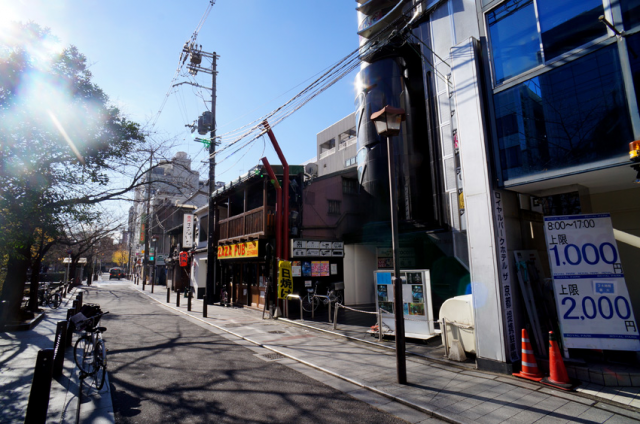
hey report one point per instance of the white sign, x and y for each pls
(299, 252)
(82, 260)
(313, 245)
(299, 244)
(337, 253)
(325, 253)
(505, 278)
(591, 295)
(187, 230)
(66, 261)
(337, 245)
(325, 245)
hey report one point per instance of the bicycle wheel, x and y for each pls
(83, 354)
(307, 303)
(55, 300)
(100, 356)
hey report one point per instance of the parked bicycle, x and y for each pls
(335, 294)
(90, 352)
(49, 297)
(309, 301)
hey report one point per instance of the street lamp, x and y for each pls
(387, 122)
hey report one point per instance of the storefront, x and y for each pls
(244, 274)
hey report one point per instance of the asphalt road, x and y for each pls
(164, 368)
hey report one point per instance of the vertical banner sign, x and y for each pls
(591, 294)
(187, 231)
(285, 280)
(505, 278)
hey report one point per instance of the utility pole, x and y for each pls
(195, 56)
(147, 226)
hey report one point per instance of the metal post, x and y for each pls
(59, 344)
(335, 317)
(178, 298)
(401, 364)
(204, 304)
(69, 339)
(189, 299)
(40, 388)
(380, 335)
(168, 294)
(145, 260)
(212, 253)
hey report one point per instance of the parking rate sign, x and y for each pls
(591, 295)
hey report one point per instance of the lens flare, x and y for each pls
(66, 137)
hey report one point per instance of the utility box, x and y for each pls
(460, 323)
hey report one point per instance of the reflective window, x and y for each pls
(515, 46)
(525, 33)
(567, 117)
(567, 24)
(633, 46)
(630, 13)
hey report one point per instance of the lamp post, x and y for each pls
(387, 122)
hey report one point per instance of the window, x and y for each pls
(349, 186)
(334, 207)
(569, 116)
(204, 228)
(633, 45)
(515, 46)
(567, 24)
(349, 162)
(516, 42)
(630, 13)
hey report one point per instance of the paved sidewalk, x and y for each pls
(18, 353)
(435, 389)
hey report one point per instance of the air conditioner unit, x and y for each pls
(311, 169)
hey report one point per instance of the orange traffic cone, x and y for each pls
(529, 365)
(558, 373)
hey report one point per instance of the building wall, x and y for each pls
(335, 159)
(359, 264)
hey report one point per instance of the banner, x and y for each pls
(240, 250)
(285, 281)
(187, 231)
(591, 294)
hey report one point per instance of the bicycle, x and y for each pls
(334, 295)
(309, 301)
(51, 298)
(90, 352)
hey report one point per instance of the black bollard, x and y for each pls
(40, 388)
(75, 307)
(204, 305)
(79, 297)
(69, 339)
(189, 301)
(59, 345)
(152, 285)
(168, 294)
(178, 298)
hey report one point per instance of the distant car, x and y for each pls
(116, 273)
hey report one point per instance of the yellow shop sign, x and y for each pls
(248, 249)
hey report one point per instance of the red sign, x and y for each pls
(184, 258)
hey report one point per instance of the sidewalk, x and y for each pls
(18, 353)
(437, 389)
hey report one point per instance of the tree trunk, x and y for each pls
(13, 287)
(35, 284)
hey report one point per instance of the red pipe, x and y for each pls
(285, 189)
(278, 214)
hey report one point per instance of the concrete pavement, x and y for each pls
(436, 389)
(18, 353)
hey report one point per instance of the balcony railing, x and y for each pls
(256, 222)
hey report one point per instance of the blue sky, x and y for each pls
(269, 50)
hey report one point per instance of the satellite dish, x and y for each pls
(311, 169)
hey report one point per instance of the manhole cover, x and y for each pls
(270, 356)
(275, 332)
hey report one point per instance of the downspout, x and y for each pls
(272, 175)
(285, 189)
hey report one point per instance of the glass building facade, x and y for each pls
(561, 99)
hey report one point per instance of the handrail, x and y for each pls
(293, 296)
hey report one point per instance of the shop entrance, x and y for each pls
(240, 287)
